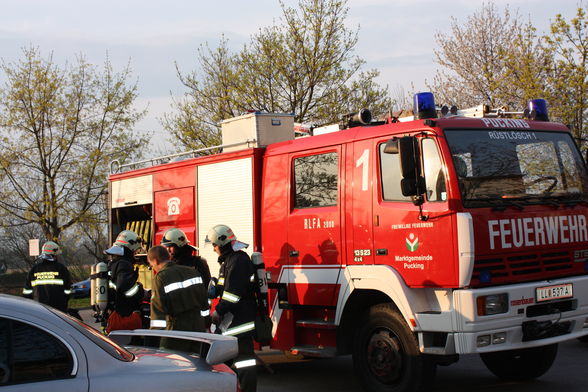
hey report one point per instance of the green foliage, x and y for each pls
(568, 83)
(78, 303)
(303, 64)
(61, 126)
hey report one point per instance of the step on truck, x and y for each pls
(406, 242)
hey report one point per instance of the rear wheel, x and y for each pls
(522, 364)
(386, 355)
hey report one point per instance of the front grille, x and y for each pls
(523, 267)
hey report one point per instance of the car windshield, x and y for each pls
(501, 167)
(95, 336)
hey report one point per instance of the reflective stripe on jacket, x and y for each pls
(237, 292)
(179, 300)
(49, 282)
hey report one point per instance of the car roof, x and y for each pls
(14, 304)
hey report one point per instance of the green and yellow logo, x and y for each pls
(412, 242)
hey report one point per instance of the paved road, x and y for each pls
(568, 374)
(290, 374)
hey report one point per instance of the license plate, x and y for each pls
(554, 292)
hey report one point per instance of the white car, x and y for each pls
(42, 349)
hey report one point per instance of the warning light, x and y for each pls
(424, 105)
(538, 110)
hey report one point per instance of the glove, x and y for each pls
(212, 293)
(216, 318)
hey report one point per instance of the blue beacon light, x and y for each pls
(538, 110)
(424, 105)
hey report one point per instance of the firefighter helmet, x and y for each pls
(175, 237)
(126, 239)
(221, 235)
(50, 250)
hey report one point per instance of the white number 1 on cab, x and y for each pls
(364, 161)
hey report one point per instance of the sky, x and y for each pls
(395, 36)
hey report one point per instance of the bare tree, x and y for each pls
(472, 57)
(61, 127)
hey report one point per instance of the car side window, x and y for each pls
(29, 354)
(4, 339)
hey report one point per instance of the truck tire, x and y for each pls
(386, 354)
(522, 364)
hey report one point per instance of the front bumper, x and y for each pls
(527, 323)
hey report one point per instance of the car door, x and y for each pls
(33, 359)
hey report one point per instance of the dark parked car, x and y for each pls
(42, 349)
(81, 289)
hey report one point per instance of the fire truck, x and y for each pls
(407, 242)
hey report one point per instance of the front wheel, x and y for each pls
(386, 355)
(522, 364)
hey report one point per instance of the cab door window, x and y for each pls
(433, 171)
(315, 180)
(391, 175)
(29, 354)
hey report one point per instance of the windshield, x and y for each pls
(531, 166)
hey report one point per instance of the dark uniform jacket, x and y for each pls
(49, 282)
(197, 262)
(236, 289)
(127, 292)
(178, 301)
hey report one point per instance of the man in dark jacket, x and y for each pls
(125, 292)
(182, 253)
(49, 281)
(179, 301)
(235, 312)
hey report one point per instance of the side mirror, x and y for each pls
(412, 183)
(391, 146)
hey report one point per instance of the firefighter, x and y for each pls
(125, 292)
(178, 301)
(181, 252)
(235, 312)
(49, 281)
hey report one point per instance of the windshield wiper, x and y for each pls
(499, 204)
(555, 200)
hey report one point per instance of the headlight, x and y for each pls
(492, 304)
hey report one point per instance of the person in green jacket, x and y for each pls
(179, 299)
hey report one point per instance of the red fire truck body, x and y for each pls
(489, 257)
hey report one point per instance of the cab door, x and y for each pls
(314, 227)
(418, 243)
(359, 230)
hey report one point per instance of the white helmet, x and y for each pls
(126, 239)
(175, 237)
(50, 250)
(221, 235)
